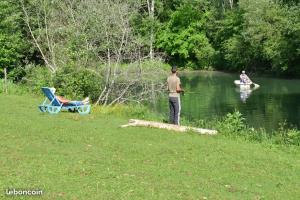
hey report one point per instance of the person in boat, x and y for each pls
(174, 88)
(244, 78)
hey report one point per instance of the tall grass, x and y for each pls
(13, 88)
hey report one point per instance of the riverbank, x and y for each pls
(212, 95)
(70, 156)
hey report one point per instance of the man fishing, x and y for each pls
(174, 88)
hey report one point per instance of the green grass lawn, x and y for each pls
(70, 156)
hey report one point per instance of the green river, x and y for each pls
(213, 94)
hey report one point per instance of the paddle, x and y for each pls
(255, 85)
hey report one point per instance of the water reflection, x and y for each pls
(245, 92)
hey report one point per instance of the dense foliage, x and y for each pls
(98, 37)
(12, 43)
(256, 35)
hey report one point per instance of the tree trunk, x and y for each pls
(5, 81)
(223, 5)
(152, 92)
(231, 4)
(27, 22)
(151, 6)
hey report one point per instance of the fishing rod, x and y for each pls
(192, 93)
(189, 92)
(183, 93)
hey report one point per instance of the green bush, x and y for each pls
(70, 82)
(259, 135)
(287, 136)
(77, 83)
(37, 77)
(13, 88)
(211, 124)
(232, 124)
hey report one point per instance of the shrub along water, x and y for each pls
(119, 83)
(232, 125)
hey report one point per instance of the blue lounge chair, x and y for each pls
(55, 106)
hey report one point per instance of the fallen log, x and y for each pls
(137, 122)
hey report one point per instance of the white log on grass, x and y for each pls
(143, 123)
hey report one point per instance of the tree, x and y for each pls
(76, 36)
(258, 35)
(12, 43)
(273, 31)
(184, 38)
(151, 7)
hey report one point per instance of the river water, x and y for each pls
(213, 94)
